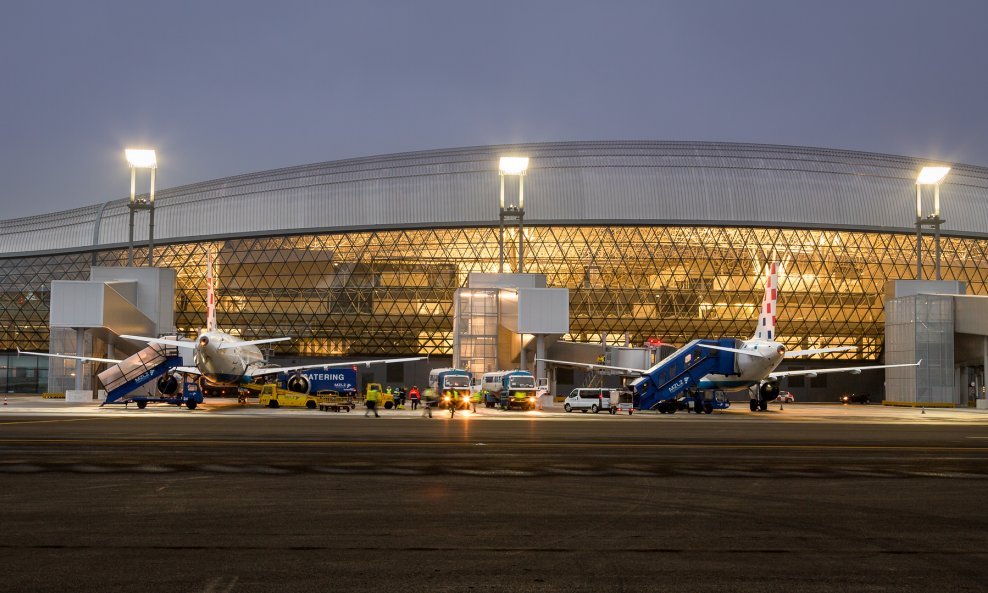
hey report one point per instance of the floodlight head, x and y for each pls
(932, 175)
(513, 165)
(141, 158)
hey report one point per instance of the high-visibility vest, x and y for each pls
(373, 395)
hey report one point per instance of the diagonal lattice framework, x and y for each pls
(390, 292)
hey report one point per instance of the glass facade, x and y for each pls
(390, 292)
(23, 374)
(921, 327)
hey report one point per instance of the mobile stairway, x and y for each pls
(661, 386)
(151, 363)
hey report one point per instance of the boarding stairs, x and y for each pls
(682, 370)
(593, 378)
(122, 378)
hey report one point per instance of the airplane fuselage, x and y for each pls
(752, 369)
(225, 366)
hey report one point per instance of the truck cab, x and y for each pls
(452, 383)
(509, 389)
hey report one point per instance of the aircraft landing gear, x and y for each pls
(753, 404)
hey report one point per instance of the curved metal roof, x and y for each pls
(620, 182)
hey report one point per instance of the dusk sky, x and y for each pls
(222, 88)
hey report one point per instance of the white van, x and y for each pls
(593, 399)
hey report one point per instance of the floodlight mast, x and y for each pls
(141, 159)
(929, 176)
(513, 165)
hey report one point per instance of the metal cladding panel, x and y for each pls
(543, 310)
(76, 303)
(568, 183)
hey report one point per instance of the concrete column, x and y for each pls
(540, 354)
(80, 344)
(522, 356)
(984, 369)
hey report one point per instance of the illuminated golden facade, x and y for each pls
(390, 292)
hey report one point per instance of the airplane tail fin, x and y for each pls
(765, 329)
(210, 293)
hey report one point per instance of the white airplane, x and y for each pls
(221, 359)
(757, 358)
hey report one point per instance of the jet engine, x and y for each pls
(298, 383)
(168, 384)
(767, 392)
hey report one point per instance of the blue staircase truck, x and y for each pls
(677, 377)
(154, 362)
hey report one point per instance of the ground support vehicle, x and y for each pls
(385, 400)
(588, 399)
(454, 383)
(509, 390)
(154, 363)
(332, 401)
(622, 401)
(273, 396)
(703, 401)
(316, 380)
(662, 386)
(187, 394)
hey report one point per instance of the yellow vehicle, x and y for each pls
(385, 401)
(335, 401)
(274, 397)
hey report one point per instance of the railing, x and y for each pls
(132, 367)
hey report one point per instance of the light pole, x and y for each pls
(141, 159)
(513, 165)
(929, 176)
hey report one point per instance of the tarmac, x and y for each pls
(242, 498)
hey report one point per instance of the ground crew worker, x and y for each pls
(415, 396)
(373, 396)
(428, 401)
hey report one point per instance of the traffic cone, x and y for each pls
(5, 400)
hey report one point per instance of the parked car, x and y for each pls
(786, 397)
(855, 398)
(596, 399)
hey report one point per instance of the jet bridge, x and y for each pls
(659, 386)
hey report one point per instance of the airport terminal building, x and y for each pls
(662, 240)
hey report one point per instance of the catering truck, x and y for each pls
(341, 380)
(452, 382)
(508, 389)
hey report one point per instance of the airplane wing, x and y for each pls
(89, 358)
(853, 370)
(325, 365)
(795, 353)
(734, 350)
(228, 345)
(162, 341)
(587, 365)
(187, 370)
